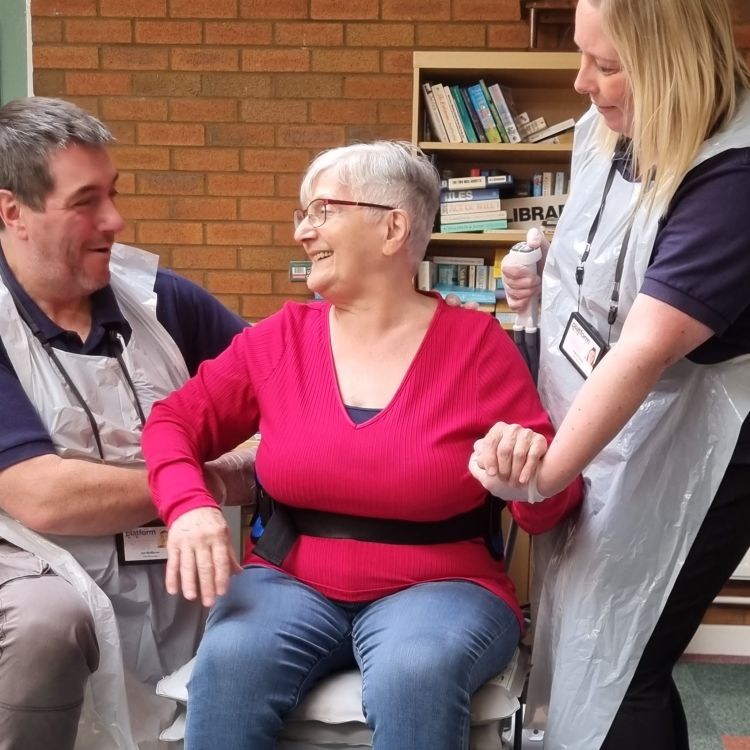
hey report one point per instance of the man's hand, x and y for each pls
(201, 558)
(505, 461)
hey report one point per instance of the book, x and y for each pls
(495, 114)
(551, 130)
(436, 124)
(464, 115)
(467, 294)
(485, 116)
(426, 275)
(533, 126)
(546, 183)
(456, 260)
(454, 108)
(505, 113)
(457, 183)
(453, 219)
(525, 213)
(446, 113)
(493, 225)
(478, 129)
(469, 194)
(536, 185)
(559, 186)
(470, 206)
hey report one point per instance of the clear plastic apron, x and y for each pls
(138, 625)
(603, 580)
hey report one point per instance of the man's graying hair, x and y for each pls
(30, 130)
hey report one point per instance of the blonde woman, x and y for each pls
(651, 256)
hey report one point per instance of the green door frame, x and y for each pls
(15, 73)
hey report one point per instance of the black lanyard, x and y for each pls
(614, 300)
(115, 345)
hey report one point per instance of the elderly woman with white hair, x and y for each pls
(376, 545)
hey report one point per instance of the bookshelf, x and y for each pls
(541, 84)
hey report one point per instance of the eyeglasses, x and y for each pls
(317, 210)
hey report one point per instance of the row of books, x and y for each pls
(478, 210)
(479, 113)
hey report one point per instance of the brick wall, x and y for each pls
(218, 106)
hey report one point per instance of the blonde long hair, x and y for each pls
(684, 73)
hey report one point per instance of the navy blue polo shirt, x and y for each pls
(700, 263)
(200, 326)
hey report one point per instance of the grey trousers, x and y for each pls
(48, 649)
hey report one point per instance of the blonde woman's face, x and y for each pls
(600, 75)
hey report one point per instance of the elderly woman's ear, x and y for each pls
(398, 229)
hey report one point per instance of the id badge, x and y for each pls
(582, 345)
(142, 546)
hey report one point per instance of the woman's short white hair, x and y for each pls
(392, 173)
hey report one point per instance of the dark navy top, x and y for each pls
(700, 263)
(200, 326)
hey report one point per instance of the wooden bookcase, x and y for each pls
(542, 85)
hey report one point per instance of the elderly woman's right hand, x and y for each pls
(201, 557)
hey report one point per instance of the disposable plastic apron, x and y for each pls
(138, 624)
(604, 579)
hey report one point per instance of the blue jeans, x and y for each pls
(423, 652)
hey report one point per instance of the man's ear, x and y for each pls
(10, 212)
(398, 230)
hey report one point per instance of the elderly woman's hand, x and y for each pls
(201, 558)
(506, 460)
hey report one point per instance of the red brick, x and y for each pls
(240, 135)
(171, 134)
(269, 258)
(140, 157)
(167, 84)
(168, 32)
(133, 108)
(98, 31)
(332, 10)
(46, 30)
(171, 183)
(239, 85)
(398, 62)
(740, 11)
(377, 132)
(204, 257)
(238, 233)
(346, 61)
(308, 86)
(416, 10)
(208, 159)
(203, 209)
(127, 235)
(233, 282)
(203, 8)
(273, 8)
(486, 10)
(240, 184)
(310, 136)
(63, 8)
(231, 302)
(379, 35)
(133, 8)
(267, 209)
(273, 110)
(378, 87)
(287, 185)
(283, 235)
(139, 207)
(742, 35)
(135, 58)
(96, 83)
(343, 111)
(204, 58)
(126, 183)
(257, 307)
(170, 232)
(123, 132)
(280, 284)
(451, 35)
(394, 113)
(238, 32)
(64, 56)
(313, 34)
(49, 83)
(88, 103)
(508, 36)
(202, 110)
(275, 160)
(276, 59)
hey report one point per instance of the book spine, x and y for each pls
(426, 276)
(464, 115)
(436, 122)
(495, 114)
(445, 113)
(505, 114)
(456, 115)
(457, 183)
(485, 116)
(546, 183)
(559, 188)
(478, 129)
(476, 226)
(558, 127)
(455, 260)
(534, 126)
(473, 216)
(472, 206)
(481, 194)
(536, 185)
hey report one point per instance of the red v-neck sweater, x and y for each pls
(408, 462)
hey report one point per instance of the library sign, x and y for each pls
(525, 213)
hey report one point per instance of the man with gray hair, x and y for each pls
(91, 334)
